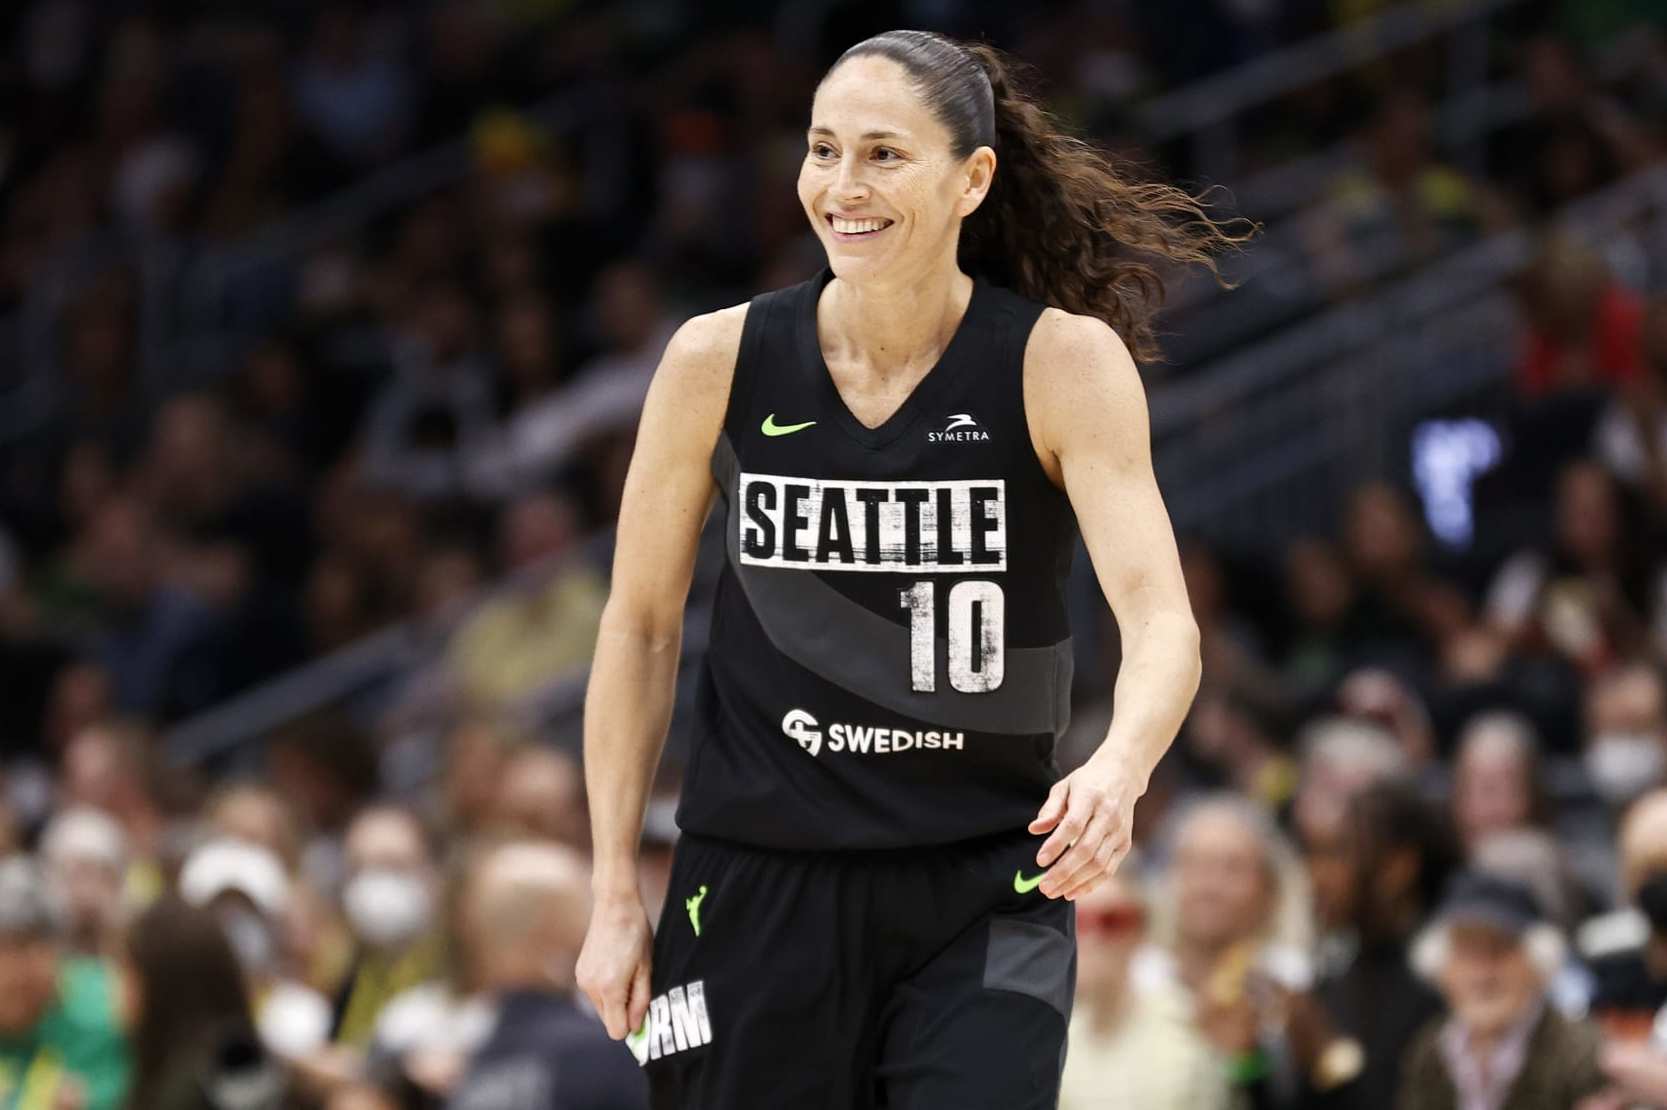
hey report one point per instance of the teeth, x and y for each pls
(853, 227)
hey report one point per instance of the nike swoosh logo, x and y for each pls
(1022, 885)
(771, 428)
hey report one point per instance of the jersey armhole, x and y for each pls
(1021, 328)
(742, 384)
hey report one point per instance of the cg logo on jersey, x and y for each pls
(802, 727)
(843, 736)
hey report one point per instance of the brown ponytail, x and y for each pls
(1060, 225)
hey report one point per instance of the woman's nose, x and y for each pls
(849, 183)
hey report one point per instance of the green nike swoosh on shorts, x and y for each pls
(771, 428)
(1022, 885)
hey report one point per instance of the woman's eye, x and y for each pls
(885, 154)
(821, 150)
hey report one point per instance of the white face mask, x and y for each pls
(386, 907)
(250, 939)
(1623, 765)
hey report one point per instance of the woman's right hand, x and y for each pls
(614, 963)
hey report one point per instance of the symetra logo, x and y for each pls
(677, 1020)
(805, 730)
(801, 728)
(962, 428)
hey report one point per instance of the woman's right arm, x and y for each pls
(668, 491)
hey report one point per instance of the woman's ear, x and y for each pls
(980, 170)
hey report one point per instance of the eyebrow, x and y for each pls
(866, 134)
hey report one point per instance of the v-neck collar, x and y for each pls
(905, 415)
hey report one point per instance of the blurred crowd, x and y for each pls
(1410, 849)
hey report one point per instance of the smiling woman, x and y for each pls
(1059, 223)
(875, 829)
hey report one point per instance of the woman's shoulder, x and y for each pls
(708, 340)
(1065, 341)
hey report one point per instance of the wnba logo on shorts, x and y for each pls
(802, 727)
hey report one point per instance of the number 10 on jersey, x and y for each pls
(976, 626)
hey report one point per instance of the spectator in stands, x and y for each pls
(1576, 138)
(1232, 744)
(244, 886)
(160, 643)
(1590, 594)
(255, 814)
(84, 865)
(1396, 859)
(316, 944)
(194, 1044)
(1320, 595)
(475, 752)
(391, 900)
(1583, 325)
(111, 768)
(81, 698)
(1132, 1041)
(1534, 860)
(426, 1034)
(1637, 1075)
(1232, 653)
(1341, 759)
(351, 90)
(232, 521)
(438, 409)
(1631, 436)
(526, 911)
(1378, 694)
(1496, 778)
(61, 1040)
(1400, 207)
(1238, 946)
(1492, 954)
(604, 397)
(541, 795)
(526, 349)
(545, 623)
(1399, 608)
(1628, 951)
(1626, 732)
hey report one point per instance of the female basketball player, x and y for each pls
(871, 901)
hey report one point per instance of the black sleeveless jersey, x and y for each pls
(890, 662)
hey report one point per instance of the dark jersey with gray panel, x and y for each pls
(890, 662)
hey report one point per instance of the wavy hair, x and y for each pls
(1060, 224)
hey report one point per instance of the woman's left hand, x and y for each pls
(1091, 814)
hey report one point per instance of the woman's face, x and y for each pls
(879, 182)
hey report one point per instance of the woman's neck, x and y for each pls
(896, 326)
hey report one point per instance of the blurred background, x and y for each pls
(324, 328)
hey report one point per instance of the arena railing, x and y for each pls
(194, 300)
(1206, 114)
(1277, 281)
(188, 296)
(1260, 445)
(393, 682)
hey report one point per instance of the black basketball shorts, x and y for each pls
(908, 979)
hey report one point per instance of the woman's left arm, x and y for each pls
(1087, 413)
